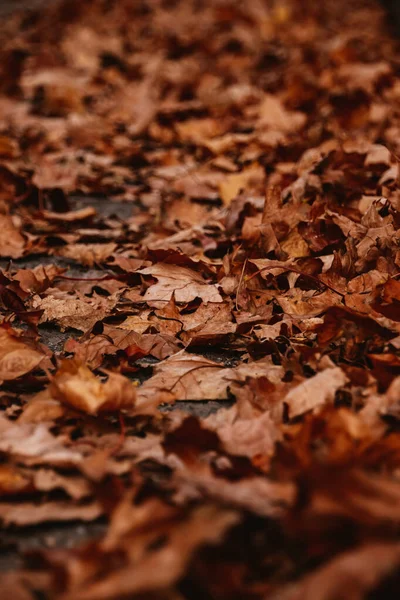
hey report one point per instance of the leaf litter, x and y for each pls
(202, 202)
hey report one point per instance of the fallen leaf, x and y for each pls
(16, 357)
(12, 242)
(69, 311)
(358, 570)
(75, 385)
(273, 114)
(316, 391)
(230, 187)
(185, 284)
(88, 254)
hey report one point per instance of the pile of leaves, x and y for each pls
(200, 299)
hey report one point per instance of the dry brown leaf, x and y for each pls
(230, 169)
(295, 246)
(252, 437)
(23, 514)
(77, 311)
(70, 216)
(273, 114)
(88, 254)
(316, 391)
(75, 385)
(186, 376)
(93, 350)
(233, 184)
(12, 243)
(357, 571)
(13, 481)
(16, 357)
(38, 279)
(160, 569)
(184, 283)
(34, 444)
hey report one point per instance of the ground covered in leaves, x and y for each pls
(200, 300)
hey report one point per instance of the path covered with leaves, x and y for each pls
(200, 300)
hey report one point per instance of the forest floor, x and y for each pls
(200, 301)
